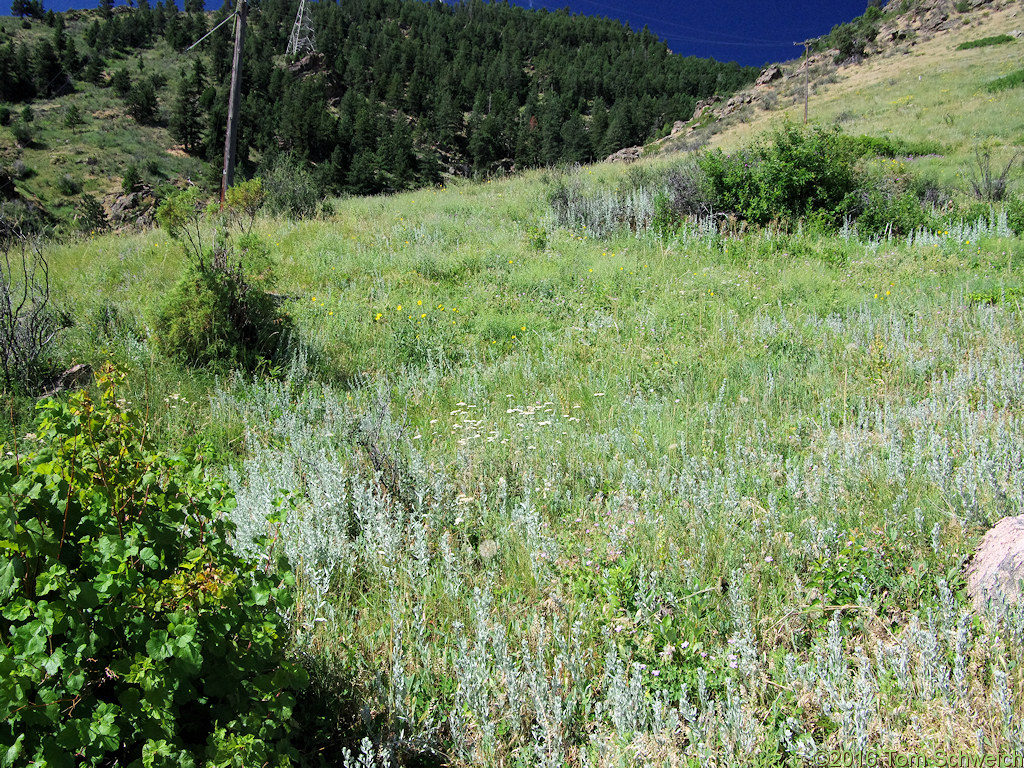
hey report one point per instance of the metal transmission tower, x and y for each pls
(303, 39)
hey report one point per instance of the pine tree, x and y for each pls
(186, 123)
(620, 128)
(575, 144)
(397, 155)
(141, 102)
(49, 72)
(597, 129)
(73, 118)
(362, 176)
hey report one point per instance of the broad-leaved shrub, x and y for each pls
(130, 632)
(792, 173)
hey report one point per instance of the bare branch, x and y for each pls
(28, 321)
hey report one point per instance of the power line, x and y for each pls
(222, 23)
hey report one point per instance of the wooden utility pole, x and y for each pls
(807, 81)
(231, 140)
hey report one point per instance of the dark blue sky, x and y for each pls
(748, 31)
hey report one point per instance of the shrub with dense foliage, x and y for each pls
(984, 42)
(220, 312)
(130, 633)
(791, 174)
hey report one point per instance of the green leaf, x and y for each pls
(8, 579)
(158, 646)
(103, 730)
(13, 752)
(149, 558)
(55, 661)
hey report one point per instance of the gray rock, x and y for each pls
(994, 576)
(768, 75)
(627, 155)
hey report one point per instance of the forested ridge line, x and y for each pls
(399, 92)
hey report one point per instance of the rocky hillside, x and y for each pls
(901, 30)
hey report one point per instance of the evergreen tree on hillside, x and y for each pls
(31, 8)
(400, 88)
(598, 128)
(186, 122)
(141, 102)
(50, 76)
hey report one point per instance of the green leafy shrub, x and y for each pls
(220, 312)
(121, 82)
(890, 146)
(131, 179)
(90, 214)
(21, 171)
(23, 133)
(131, 632)
(984, 42)
(68, 185)
(997, 295)
(794, 172)
(1015, 215)
(890, 199)
(899, 214)
(851, 39)
(215, 316)
(290, 189)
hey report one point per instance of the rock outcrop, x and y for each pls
(136, 209)
(994, 576)
(627, 155)
(896, 34)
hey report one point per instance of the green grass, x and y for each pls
(986, 41)
(1012, 80)
(713, 410)
(534, 482)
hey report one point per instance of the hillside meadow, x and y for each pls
(653, 497)
(561, 477)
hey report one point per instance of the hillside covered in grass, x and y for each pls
(675, 464)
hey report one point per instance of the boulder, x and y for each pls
(627, 155)
(704, 104)
(994, 576)
(769, 75)
(309, 64)
(75, 377)
(136, 208)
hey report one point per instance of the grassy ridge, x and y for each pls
(922, 93)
